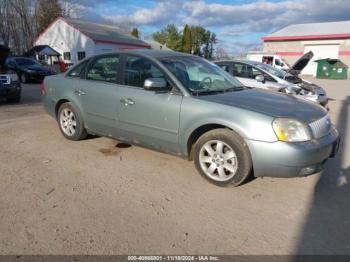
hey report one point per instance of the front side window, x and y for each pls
(138, 69)
(199, 75)
(104, 69)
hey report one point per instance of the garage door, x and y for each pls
(320, 51)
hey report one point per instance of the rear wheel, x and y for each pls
(71, 123)
(222, 157)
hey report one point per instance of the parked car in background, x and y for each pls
(270, 59)
(28, 69)
(186, 106)
(10, 87)
(259, 75)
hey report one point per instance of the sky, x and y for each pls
(238, 24)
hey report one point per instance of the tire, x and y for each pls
(16, 99)
(228, 165)
(70, 122)
(23, 77)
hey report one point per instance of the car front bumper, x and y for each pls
(10, 90)
(282, 159)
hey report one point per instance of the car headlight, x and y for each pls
(14, 77)
(291, 130)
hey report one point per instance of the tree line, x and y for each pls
(194, 40)
(22, 20)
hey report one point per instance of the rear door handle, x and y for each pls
(80, 92)
(127, 101)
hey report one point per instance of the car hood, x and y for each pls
(269, 103)
(301, 63)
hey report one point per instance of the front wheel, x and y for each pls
(70, 122)
(222, 157)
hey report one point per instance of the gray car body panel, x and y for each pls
(166, 121)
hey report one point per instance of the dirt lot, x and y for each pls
(91, 197)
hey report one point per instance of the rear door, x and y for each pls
(98, 94)
(148, 117)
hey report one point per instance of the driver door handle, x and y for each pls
(127, 101)
(80, 92)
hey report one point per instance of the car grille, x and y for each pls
(321, 127)
(4, 79)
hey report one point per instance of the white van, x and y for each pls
(267, 58)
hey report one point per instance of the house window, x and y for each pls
(66, 55)
(81, 55)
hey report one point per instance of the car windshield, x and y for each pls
(272, 70)
(200, 76)
(26, 62)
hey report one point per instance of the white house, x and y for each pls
(76, 39)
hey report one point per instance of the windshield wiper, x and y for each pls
(207, 92)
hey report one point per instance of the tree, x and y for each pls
(21, 25)
(186, 40)
(46, 12)
(221, 53)
(135, 32)
(169, 36)
(161, 36)
(213, 41)
(197, 39)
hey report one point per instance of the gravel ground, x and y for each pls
(99, 197)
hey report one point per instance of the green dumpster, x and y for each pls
(331, 69)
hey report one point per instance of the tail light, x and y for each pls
(43, 88)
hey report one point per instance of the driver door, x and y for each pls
(147, 117)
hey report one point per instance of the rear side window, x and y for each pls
(77, 70)
(138, 69)
(104, 69)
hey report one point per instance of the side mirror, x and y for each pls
(260, 78)
(156, 84)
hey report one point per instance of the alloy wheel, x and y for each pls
(68, 122)
(218, 160)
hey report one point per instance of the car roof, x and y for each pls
(249, 62)
(155, 53)
(151, 53)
